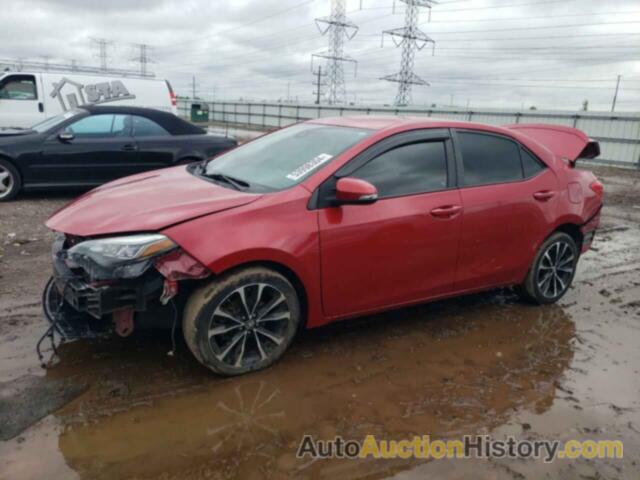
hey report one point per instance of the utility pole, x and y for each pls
(193, 87)
(102, 44)
(339, 28)
(411, 38)
(318, 84)
(142, 57)
(615, 95)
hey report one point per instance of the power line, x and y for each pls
(244, 25)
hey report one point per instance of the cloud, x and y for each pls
(548, 53)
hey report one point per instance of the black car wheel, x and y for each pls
(10, 181)
(243, 321)
(552, 271)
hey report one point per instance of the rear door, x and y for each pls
(20, 102)
(509, 198)
(402, 248)
(101, 150)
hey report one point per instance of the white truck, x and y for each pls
(27, 98)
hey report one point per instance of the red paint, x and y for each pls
(354, 190)
(353, 259)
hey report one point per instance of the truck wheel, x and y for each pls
(552, 271)
(10, 181)
(243, 321)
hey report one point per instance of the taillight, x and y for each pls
(174, 99)
(598, 188)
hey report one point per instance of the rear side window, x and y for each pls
(489, 159)
(408, 169)
(143, 127)
(530, 164)
(18, 87)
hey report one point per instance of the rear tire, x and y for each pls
(10, 181)
(552, 270)
(243, 321)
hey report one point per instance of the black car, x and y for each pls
(91, 145)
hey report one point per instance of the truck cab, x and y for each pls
(21, 100)
(27, 98)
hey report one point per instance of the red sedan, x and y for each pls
(321, 221)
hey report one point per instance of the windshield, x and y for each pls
(286, 157)
(52, 122)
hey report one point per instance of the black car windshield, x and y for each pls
(286, 157)
(53, 122)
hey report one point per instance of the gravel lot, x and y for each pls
(123, 408)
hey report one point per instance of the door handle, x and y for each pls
(129, 148)
(543, 195)
(447, 211)
(40, 107)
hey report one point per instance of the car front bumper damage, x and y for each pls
(82, 306)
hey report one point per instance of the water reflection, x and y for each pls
(444, 369)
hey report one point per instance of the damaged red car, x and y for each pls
(322, 221)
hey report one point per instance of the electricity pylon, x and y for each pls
(411, 38)
(339, 28)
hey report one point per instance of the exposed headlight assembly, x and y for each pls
(119, 257)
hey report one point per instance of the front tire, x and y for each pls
(10, 181)
(552, 271)
(243, 321)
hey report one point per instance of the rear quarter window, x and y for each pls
(530, 164)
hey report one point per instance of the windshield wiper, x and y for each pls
(234, 182)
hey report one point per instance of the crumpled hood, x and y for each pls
(145, 202)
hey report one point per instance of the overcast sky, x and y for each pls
(489, 53)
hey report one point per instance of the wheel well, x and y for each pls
(573, 231)
(10, 161)
(14, 164)
(285, 272)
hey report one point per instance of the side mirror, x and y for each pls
(66, 137)
(353, 191)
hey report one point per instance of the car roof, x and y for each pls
(396, 123)
(170, 122)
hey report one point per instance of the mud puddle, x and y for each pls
(447, 369)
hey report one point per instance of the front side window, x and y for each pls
(143, 127)
(408, 169)
(286, 157)
(100, 126)
(489, 159)
(18, 87)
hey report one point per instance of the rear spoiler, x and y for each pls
(569, 143)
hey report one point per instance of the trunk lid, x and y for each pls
(569, 143)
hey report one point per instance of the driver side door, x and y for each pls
(404, 247)
(100, 149)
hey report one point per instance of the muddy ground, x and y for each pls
(124, 408)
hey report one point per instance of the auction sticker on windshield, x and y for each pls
(309, 166)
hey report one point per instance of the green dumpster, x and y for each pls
(199, 112)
